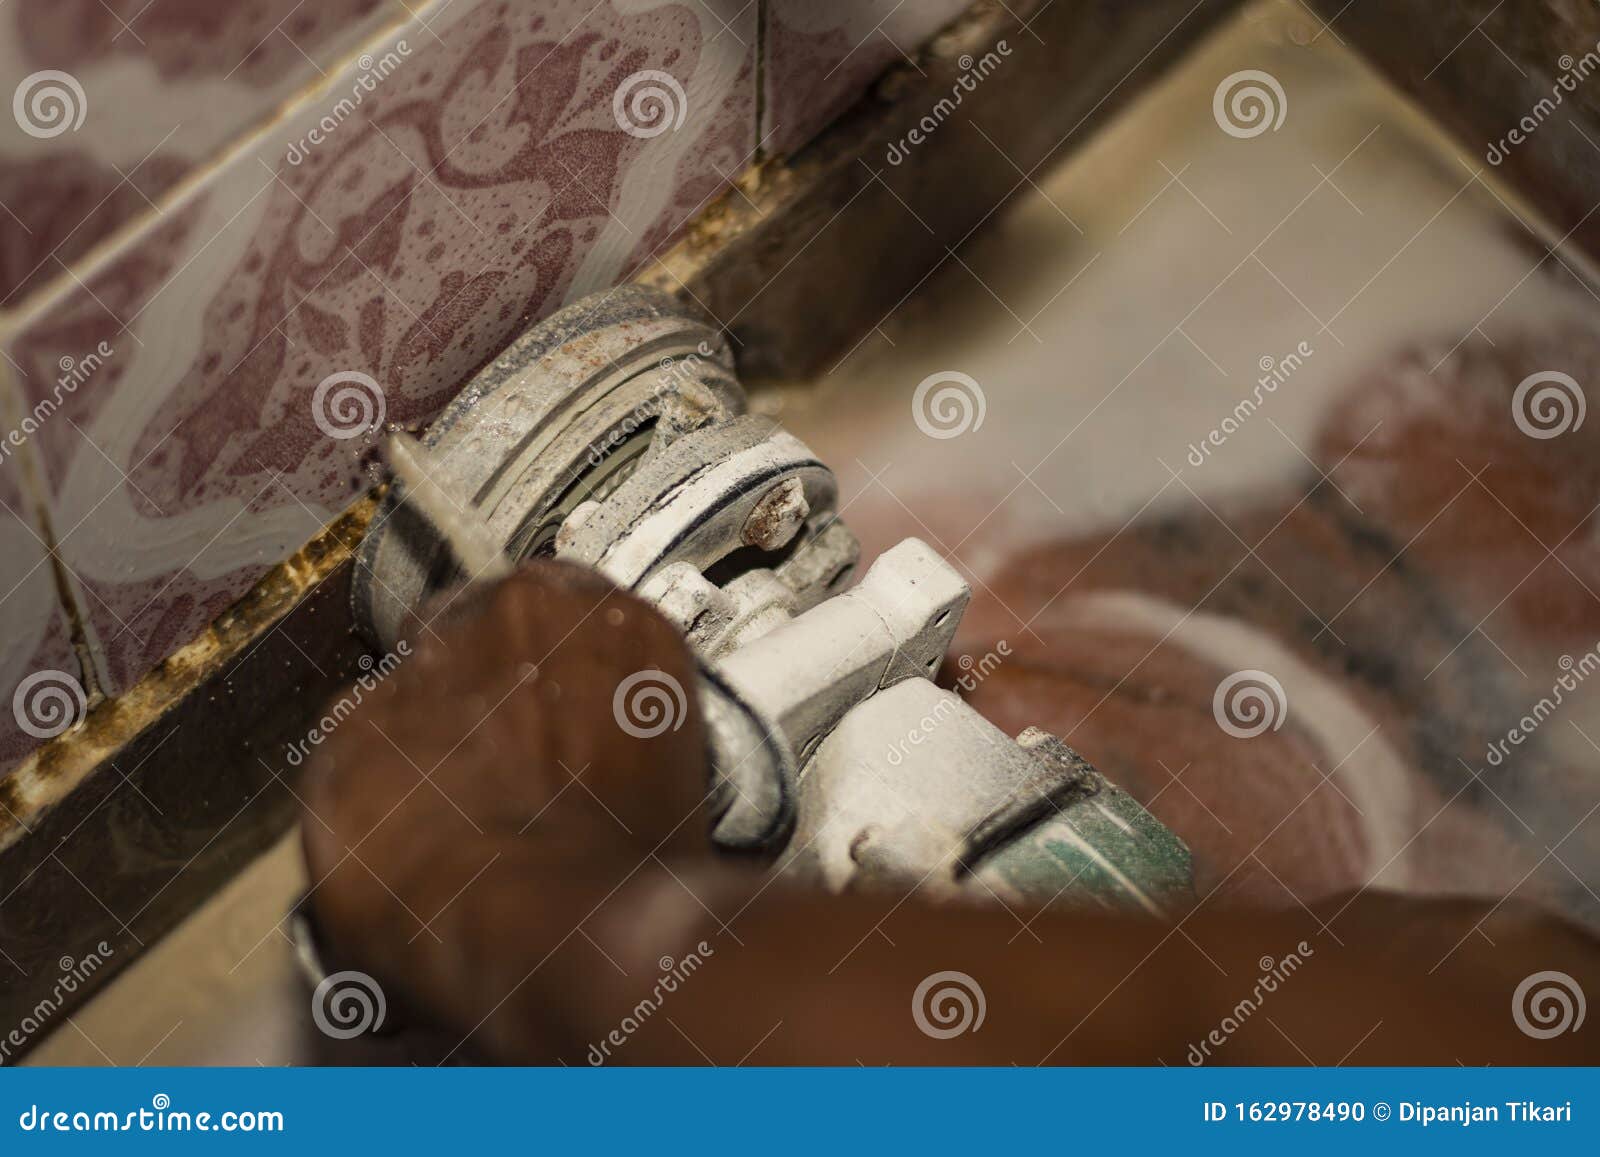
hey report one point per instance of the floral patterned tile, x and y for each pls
(822, 54)
(351, 265)
(112, 101)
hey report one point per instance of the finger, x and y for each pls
(501, 725)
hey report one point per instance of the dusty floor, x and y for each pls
(1376, 533)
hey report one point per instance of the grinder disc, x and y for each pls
(561, 417)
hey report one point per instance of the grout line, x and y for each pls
(216, 649)
(31, 484)
(761, 80)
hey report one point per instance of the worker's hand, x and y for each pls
(537, 747)
(514, 856)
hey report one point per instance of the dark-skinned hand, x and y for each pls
(522, 872)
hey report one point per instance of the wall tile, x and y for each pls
(821, 55)
(375, 246)
(162, 86)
